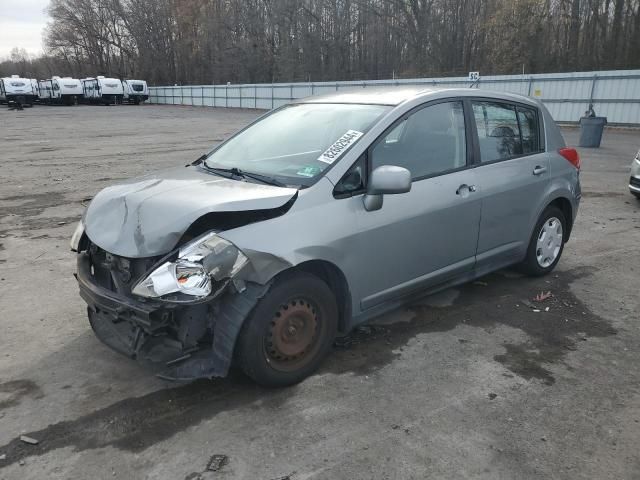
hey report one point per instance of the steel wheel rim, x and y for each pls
(293, 335)
(549, 242)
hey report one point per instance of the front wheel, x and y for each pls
(289, 332)
(547, 242)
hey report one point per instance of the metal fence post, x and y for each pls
(593, 89)
(255, 96)
(226, 96)
(290, 92)
(272, 96)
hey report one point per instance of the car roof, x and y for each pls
(395, 95)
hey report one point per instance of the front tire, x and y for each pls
(289, 332)
(547, 242)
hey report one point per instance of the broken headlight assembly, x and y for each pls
(77, 236)
(193, 275)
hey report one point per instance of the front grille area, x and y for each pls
(634, 182)
(118, 274)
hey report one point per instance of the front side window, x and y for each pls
(498, 132)
(297, 143)
(428, 142)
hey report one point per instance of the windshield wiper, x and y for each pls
(236, 172)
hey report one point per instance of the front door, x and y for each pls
(428, 235)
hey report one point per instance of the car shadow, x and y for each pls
(554, 326)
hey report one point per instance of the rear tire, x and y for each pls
(546, 243)
(637, 195)
(289, 332)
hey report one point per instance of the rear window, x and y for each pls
(505, 131)
(17, 84)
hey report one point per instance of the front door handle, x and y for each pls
(464, 189)
(539, 170)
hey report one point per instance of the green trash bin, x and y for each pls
(591, 129)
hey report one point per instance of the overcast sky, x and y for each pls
(21, 25)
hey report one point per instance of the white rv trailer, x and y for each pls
(44, 91)
(35, 88)
(17, 90)
(102, 90)
(61, 90)
(135, 91)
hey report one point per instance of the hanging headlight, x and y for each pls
(200, 263)
(77, 235)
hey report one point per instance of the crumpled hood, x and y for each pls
(147, 216)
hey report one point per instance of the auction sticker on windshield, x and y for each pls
(334, 152)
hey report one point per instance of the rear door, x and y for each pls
(512, 175)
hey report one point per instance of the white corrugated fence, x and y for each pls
(614, 94)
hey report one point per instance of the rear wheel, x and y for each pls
(289, 332)
(547, 242)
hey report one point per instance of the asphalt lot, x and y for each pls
(470, 383)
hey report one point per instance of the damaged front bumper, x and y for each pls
(193, 341)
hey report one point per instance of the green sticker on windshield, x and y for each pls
(309, 171)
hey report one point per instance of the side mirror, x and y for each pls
(386, 179)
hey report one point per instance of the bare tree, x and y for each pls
(216, 41)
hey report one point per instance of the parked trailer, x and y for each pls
(135, 91)
(102, 90)
(44, 91)
(17, 90)
(36, 90)
(60, 90)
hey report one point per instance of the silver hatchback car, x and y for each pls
(634, 179)
(317, 217)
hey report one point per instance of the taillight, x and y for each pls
(571, 154)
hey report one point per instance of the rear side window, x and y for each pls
(498, 131)
(528, 121)
(505, 131)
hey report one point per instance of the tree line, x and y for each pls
(251, 41)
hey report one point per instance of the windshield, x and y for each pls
(298, 142)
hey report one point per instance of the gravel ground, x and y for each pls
(469, 383)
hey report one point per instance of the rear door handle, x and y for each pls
(539, 170)
(464, 188)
